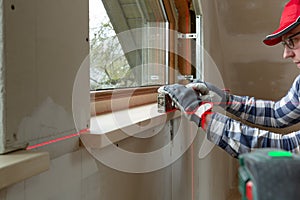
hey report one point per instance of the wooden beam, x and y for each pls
(184, 45)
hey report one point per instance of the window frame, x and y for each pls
(101, 100)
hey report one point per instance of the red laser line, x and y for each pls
(192, 158)
(57, 139)
(187, 20)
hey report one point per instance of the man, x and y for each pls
(196, 100)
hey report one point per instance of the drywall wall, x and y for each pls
(249, 66)
(45, 44)
(77, 175)
(221, 179)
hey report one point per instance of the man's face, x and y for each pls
(291, 42)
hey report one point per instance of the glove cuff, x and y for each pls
(203, 118)
(203, 110)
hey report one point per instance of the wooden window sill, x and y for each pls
(20, 165)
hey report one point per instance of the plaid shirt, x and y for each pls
(237, 138)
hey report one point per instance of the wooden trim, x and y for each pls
(114, 100)
(172, 22)
(121, 93)
(184, 26)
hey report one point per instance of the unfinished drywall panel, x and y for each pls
(213, 176)
(46, 42)
(2, 130)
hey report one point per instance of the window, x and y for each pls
(128, 44)
(135, 47)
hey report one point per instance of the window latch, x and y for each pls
(187, 35)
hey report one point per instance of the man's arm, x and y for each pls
(280, 114)
(237, 138)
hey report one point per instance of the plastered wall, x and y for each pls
(44, 45)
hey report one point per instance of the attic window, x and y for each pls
(128, 44)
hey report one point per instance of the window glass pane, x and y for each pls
(128, 43)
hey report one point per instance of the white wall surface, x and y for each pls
(45, 43)
(69, 177)
(78, 176)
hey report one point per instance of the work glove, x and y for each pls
(210, 93)
(188, 101)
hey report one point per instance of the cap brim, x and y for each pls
(272, 41)
(275, 37)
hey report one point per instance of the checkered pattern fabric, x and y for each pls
(237, 138)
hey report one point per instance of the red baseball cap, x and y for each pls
(290, 18)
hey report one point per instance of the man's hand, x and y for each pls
(188, 101)
(210, 93)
